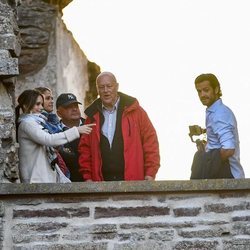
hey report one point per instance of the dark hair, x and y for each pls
(42, 90)
(27, 100)
(214, 82)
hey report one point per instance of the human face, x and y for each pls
(206, 93)
(37, 108)
(48, 101)
(107, 88)
(69, 113)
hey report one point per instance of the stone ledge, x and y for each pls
(9, 189)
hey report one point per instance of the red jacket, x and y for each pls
(141, 148)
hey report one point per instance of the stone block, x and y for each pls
(223, 208)
(9, 67)
(204, 233)
(103, 236)
(145, 225)
(236, 244)
(103, 228)
(196, 244)
(191, 211)
(39, 227)
(162, 236)
(132, 237)
(57, 212)
(33, 37)
(101, 212)
(32, 60)
(4, 54)
(241, 217)
(147, 245)
(28, 238)
(10, 42)
(65, 246)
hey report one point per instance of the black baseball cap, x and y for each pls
(65, 99)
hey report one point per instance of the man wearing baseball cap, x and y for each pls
(68, 110)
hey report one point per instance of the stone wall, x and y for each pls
(9, 52)
(36, 49)
(50, 56)
(202, 214)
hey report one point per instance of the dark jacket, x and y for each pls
(70, 155)
(209, 165)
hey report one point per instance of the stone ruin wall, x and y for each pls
(36, 49)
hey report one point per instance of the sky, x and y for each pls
(156, 48)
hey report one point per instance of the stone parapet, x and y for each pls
(202, 214)
(126, 187)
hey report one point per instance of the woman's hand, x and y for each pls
(86, 129)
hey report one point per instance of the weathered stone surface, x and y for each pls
(241, 218)
(63, 212)
(142, 246)
(10, 42)
(9, 67)
(223, 208)
(125, 230)
(33, 228)
(241, 228)
(166, 235)
(103, 228)
(101, 212)
(204, 233)
(157, 225)
(236, 244)
(1, 209)
(122, 187)
(61, 3)
(195, 245)
(33, 37)
(91, 93)
(132, 237)
(35, 19)
(66, 246)
(24, 238)
(191, 211)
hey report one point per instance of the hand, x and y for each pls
(148, 178)
(89, 180)
(86, 129)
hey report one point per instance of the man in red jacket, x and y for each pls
(123, 145)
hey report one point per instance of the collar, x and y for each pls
(214, 106)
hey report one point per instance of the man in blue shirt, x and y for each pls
(221, 158)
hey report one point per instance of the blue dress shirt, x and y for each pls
(222, 132)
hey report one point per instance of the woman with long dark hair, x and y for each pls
(37, 158)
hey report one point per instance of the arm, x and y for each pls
(150, 146)
(226, 135)
(226, 153)
(85, 157)
(35, 132)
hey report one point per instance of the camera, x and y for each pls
(196, 130)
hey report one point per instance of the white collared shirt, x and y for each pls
(109, 125)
